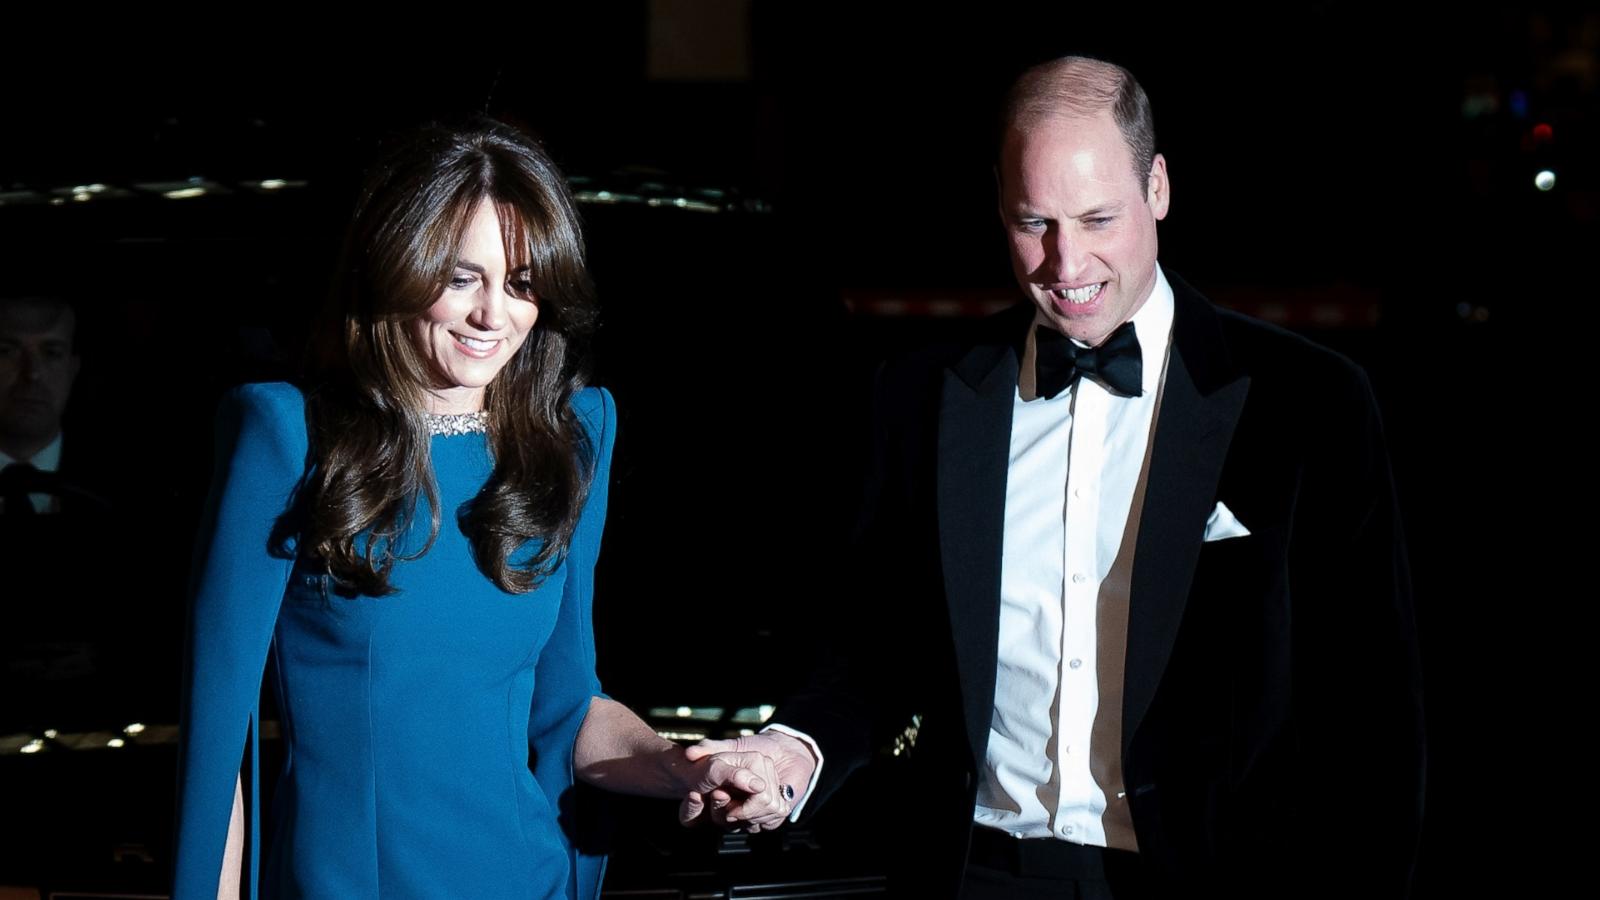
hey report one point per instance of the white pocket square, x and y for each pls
(1223, 525)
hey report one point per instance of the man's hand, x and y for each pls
(791, 764)
(718, 778)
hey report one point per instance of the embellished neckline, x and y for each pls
(457, 423)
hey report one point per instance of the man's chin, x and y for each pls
(1076, 329)
(27, 425)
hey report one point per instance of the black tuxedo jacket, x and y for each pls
(77, 485)
(1272, 731)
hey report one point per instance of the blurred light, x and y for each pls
(1543, 132)
(700, 713)
(50, 733)
(184, 193)
(607, 197)
(272, 184)
(135, 728)
(767, 710)
(745, 732)
(683, 735)
(57, 201)
(115, 742)
(1545, 180)
(33, 746)
(684, 203)
(1476, 105)
(81, 196)
(1519, 104)
(95, 188)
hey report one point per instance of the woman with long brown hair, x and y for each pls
(414, 530)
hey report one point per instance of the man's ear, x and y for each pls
(1158, 190)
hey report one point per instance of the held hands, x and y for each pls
(772, 774)
(741, 789)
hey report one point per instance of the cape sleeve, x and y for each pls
(237, 586)
(564, 677)
(855, 689)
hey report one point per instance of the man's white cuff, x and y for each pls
(804, 739)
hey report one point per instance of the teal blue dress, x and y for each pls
(409, 721)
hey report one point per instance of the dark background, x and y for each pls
(1363, 178)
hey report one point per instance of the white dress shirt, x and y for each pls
(1076, 463)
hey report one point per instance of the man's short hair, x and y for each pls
(1080, 87)
(60, 304)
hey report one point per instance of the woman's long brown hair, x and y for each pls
(367, 378)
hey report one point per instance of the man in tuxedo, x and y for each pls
(1136, 569)
(38, 365)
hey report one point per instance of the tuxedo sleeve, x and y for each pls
(859, 688)
(1356, 677)
(238, 584)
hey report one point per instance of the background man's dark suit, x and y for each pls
(1271, 713)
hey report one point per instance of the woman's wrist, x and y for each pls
(677, 774)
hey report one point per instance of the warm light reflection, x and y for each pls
(683, 735)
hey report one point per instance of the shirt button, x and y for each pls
(1075, 663)
(1077, 578)
(1067, 830)
(1077, 492)
(1017, 835)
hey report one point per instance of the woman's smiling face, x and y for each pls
(479, 321)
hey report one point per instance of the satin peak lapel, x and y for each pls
(973, 456)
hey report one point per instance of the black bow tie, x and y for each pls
(1116, 363)
(17, 481)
